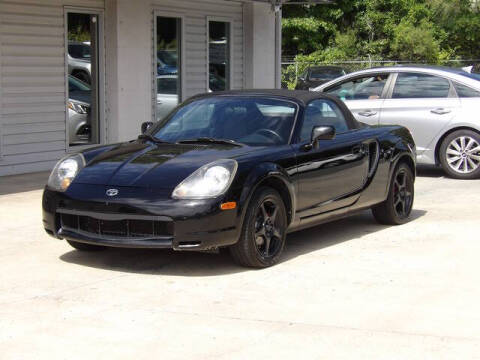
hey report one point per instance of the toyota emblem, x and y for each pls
(112, 192)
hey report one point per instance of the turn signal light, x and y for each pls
(228, 205)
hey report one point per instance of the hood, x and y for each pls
(147, 165)
(82, 96)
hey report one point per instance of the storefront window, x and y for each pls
(168, 51)
(82, 95)
(218, 55)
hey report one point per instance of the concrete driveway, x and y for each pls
(346, 290)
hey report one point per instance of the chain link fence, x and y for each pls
(292, 70)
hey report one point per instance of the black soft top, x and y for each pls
(302, 97)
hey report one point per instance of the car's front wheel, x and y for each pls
(264, 231)
(85, 247)
(460, 154)
(397, 208)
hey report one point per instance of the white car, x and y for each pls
(439, 105)
(79, 61)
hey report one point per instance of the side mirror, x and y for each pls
(146, 126)
(326, 132)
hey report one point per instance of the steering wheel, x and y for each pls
(269, 133)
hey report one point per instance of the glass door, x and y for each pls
(82, 54)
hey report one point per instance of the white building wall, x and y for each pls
(32, 67)
(131, 82)
(260, 38)
(129, 70)
(32, 83)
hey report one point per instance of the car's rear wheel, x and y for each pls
(460, 154)
(264, 231)
(397, 208)
(85, 247)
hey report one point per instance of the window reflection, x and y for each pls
(363, 88)
(82, 58)
(218, 55)
(168, 64)
(416, 85)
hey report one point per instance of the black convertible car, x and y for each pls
(236, 169)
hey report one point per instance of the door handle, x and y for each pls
(367, 113)
(440, 111)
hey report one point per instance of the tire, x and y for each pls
(85, 247)
(396, 210)
(264, 231)
(460, 154)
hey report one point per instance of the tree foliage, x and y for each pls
(413, 30)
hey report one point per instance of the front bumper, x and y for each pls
(138, 218)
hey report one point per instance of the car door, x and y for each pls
(363, 95)
(421, 102)
(330, 175)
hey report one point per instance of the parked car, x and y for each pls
(474, 69)
(167, 62)
(317, 75)
(79, 61)
(438, 105)
(237, 169)
(79, 127)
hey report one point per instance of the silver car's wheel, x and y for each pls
(463, 154)
(460, 154)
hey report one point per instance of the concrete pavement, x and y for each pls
(351, 289)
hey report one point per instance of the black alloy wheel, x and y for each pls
(397, 208)
(402, 194)
(264, 231)
(268, 229)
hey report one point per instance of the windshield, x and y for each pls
(79, 51)
(167, 57)
(255, 121)
(76, 85)
(327, 74)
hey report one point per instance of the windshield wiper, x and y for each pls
(152, 138)
(208, 140)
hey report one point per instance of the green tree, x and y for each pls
(415, 43)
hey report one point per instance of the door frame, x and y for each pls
(102, 126)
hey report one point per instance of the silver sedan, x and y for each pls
(440, 106)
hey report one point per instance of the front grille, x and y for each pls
(128, 228)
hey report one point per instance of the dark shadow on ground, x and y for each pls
(430, 171)
(22, 183)
(167, 262)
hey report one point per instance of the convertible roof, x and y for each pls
(302, 96)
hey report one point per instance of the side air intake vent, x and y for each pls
(374, 156)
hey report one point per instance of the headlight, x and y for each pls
(209, 181)
(65, 171)
(78, 107)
